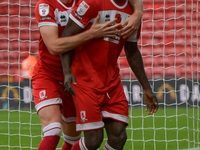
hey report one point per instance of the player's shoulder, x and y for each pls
(45, 6)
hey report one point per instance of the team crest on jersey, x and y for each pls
(82, 8)
(43, 9)
(42, 94)
(83, 116)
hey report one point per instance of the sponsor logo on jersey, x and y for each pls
(45, 18)
(43, 9)
(82, 8)
(61, 17)
(42, 94)
(83, 116)
(107, 17)
(80, 18)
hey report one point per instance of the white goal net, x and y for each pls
(169, 46)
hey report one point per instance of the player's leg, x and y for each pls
(91, 141)
(69, 121)
(50, 118)
(89, 119)
(70, 135)
(116, 132)
(93, 138)
(115, 114)
(48, 103)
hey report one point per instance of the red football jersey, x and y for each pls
(95, 62)
(51, 13)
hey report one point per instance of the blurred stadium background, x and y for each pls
(170, 49)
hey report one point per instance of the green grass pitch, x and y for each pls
(169, 129)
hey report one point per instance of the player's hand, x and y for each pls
(131, 25)
(69, 78)
(151, 101)
(106, 29)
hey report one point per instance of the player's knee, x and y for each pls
(123, 136)
(93, 141)
(53, 129)
(118, 138)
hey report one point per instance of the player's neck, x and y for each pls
(66, 1)
(119, 1)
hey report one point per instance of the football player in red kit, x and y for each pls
(54, 105)
(99, 96)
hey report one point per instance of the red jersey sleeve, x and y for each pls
(44, 12)
(85, 12)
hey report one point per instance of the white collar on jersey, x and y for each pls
(120, 7)
(74, 1)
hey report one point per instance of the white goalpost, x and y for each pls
(170, 50)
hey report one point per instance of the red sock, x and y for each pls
(79, 145)
(51, 136)
(76, 146)
(69, 141)
(66, 146)
(49, 143)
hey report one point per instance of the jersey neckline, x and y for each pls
(74, 1)
(118, 6)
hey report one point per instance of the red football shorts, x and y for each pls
(92, 108)
(48, 91)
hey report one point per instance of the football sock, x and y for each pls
(79, 145)
(108, 147)
(51, 138)
(66, 146)
(69, 141)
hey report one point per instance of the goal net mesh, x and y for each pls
(170, 50)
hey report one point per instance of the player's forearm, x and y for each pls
(137, 5)
(136, 63)
(66, 59)
(65, 44)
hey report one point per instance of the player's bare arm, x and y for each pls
(66, 58)
(69, 78)
(135, 61)
(57, 45)
(133, 22)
